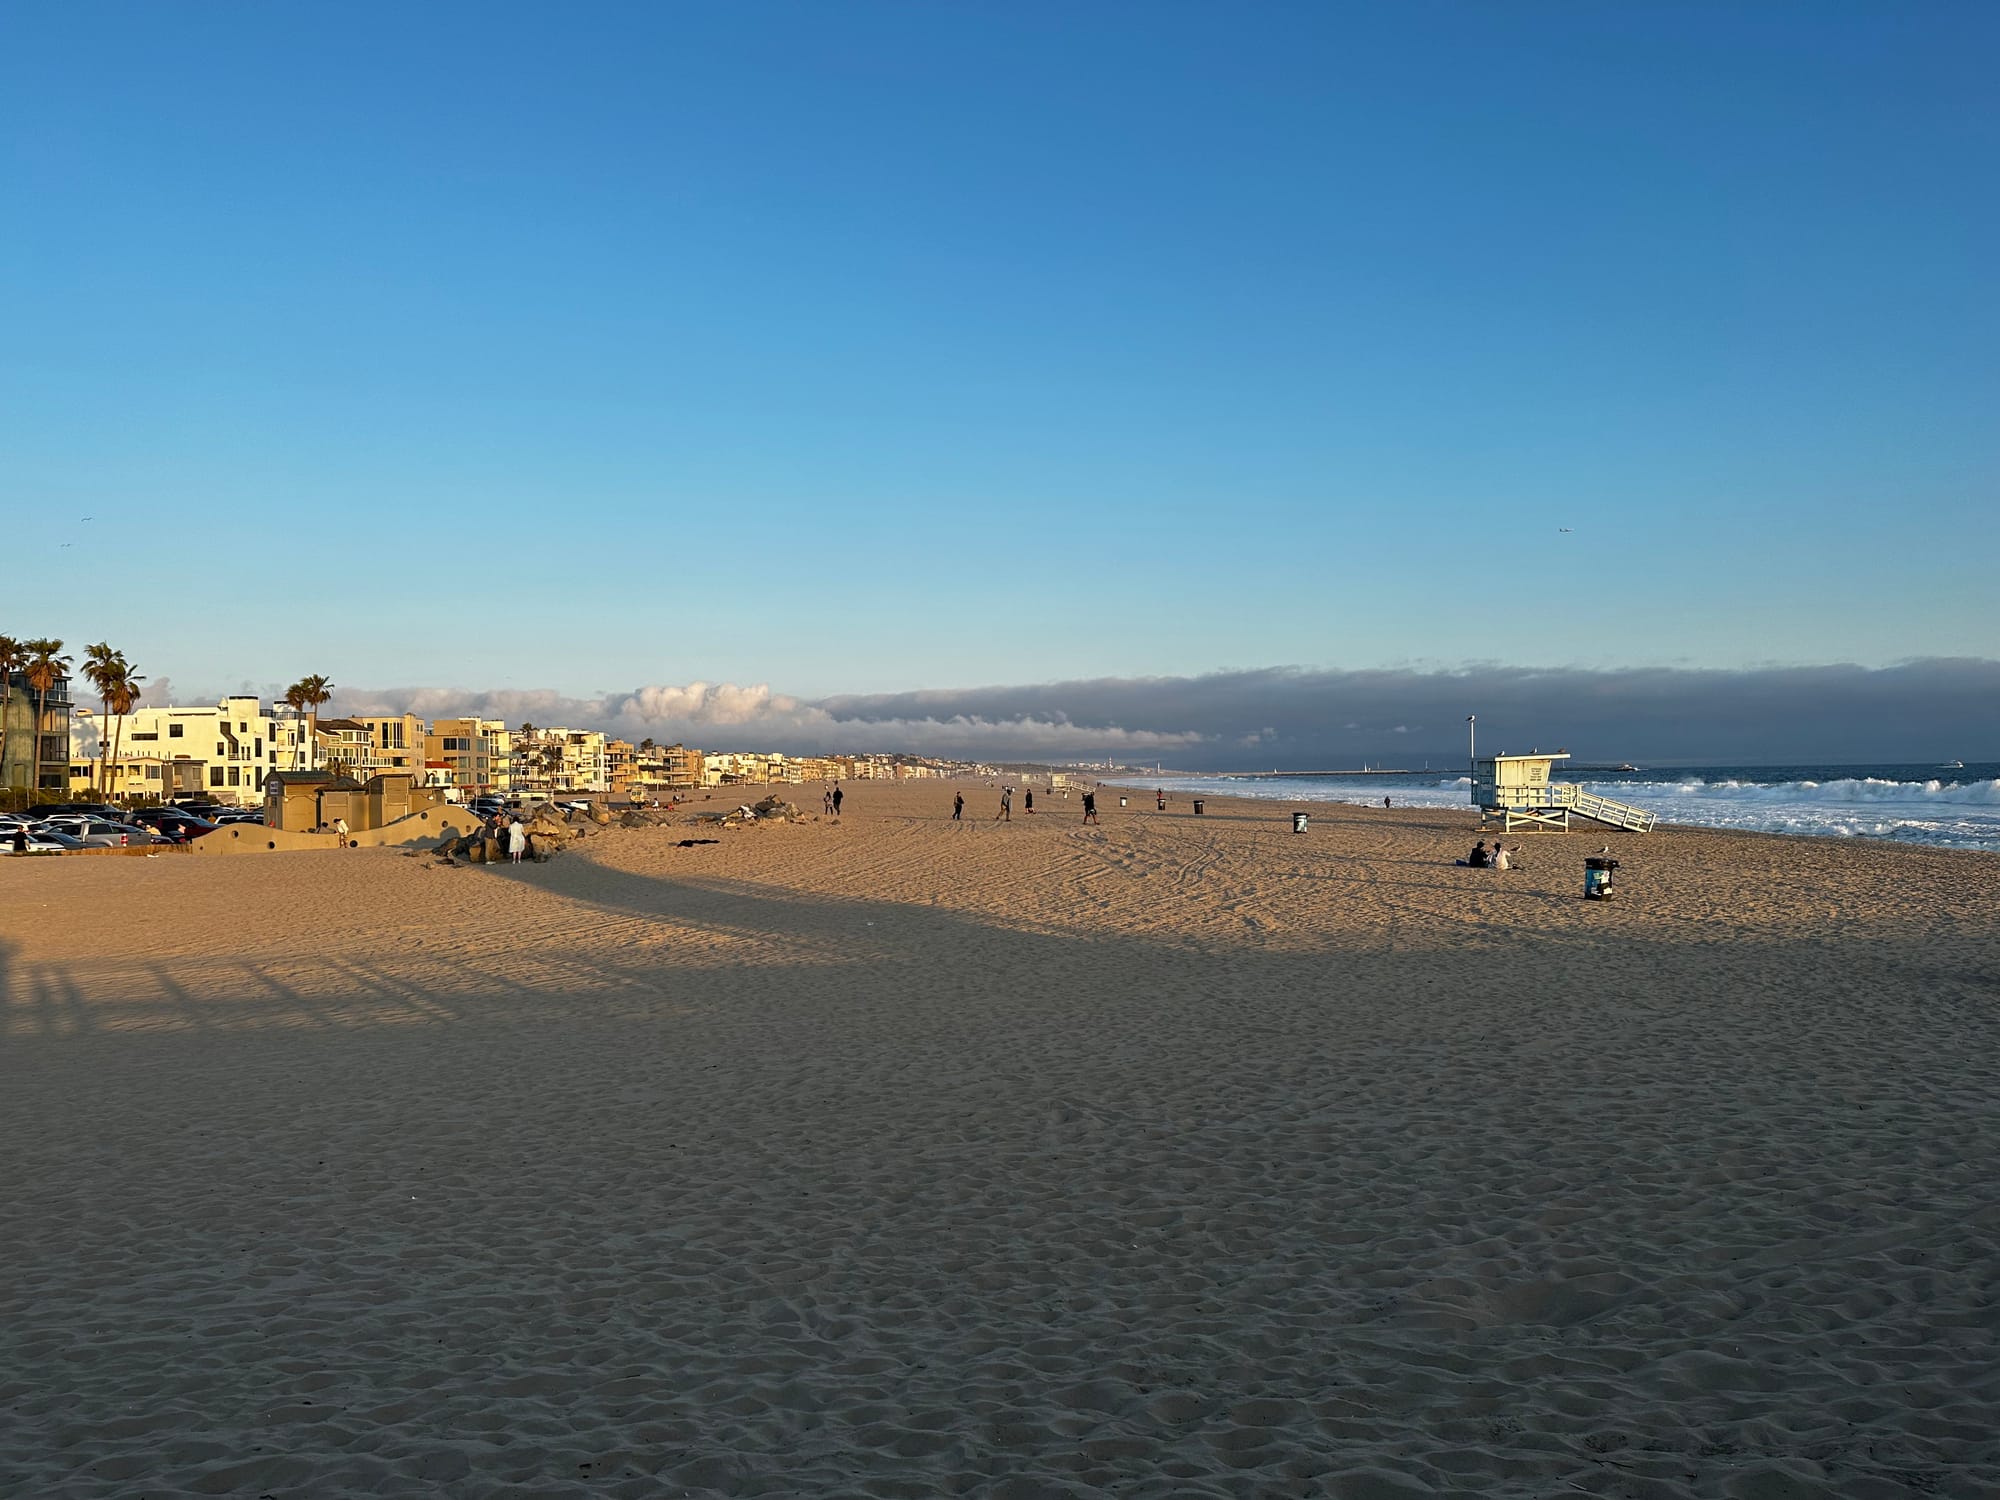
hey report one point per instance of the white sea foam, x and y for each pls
(1962, 814)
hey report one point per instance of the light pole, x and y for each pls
(1471, 741)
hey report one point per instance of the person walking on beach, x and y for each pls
(958, 807)
(1162, 795)
(826, 803)
(517, 841)
(1090, 807)
(1028, 800)
(838, 797)
(1006, 805)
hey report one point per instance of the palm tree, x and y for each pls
(46, 667)
(309, 693)
(124, 696)
(100, 670)
(552, 764)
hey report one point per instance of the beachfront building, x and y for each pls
(469, 754)
(373, 745)
(34, 755)
(620, 763)
(659, 771)
(557, 759)
(224, 751)
(585, 766)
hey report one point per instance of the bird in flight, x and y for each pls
(1562, 528)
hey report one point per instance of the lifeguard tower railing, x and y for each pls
(1517, 790)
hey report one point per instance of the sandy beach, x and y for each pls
(895, 1157)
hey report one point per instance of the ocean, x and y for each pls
(1910, 804)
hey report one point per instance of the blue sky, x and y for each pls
(871, 348)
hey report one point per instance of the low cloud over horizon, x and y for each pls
(1297, 718)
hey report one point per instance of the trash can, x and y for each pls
(1121, 801)
(1197, 807)
(1597, 878)
(1298, 822)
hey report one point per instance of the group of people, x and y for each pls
(1006, 813)
(511, 831)
(831, 800)
(1499, 857)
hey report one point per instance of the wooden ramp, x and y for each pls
(1616, 814)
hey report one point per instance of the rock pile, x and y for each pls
(550, 831)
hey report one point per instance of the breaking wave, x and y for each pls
(1960, 814)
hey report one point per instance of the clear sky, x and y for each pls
(865, 348)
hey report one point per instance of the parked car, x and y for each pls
(238, 815)
(101, 833)
(22, 839)
(172, 823)
(76, 810)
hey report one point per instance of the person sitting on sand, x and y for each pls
(1501, 860)
(1477, 859)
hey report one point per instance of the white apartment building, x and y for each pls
(560, 760)
(228, 749)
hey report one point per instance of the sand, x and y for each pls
(1175, 1157)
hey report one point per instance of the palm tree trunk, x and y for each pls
(104, 748)
(35, 751)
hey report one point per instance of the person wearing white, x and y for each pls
(517, 841)
(340, 827)
(1501, 859)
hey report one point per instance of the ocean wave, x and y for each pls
(1962, 815)
(1862, 790)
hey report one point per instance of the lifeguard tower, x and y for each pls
(1516, 789)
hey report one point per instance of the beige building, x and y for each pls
(302, 801)
(471, 755)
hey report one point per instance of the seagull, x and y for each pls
(85, 518)
(1605, 850)
(1562, 528)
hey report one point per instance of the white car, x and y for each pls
(99, 833)
(37, 840)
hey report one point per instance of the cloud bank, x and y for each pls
(1297, 718)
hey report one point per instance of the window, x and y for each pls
(176, 731)
(215, 776)
(220, 748)
(145, 734)
(258, 754)
(234, 778)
